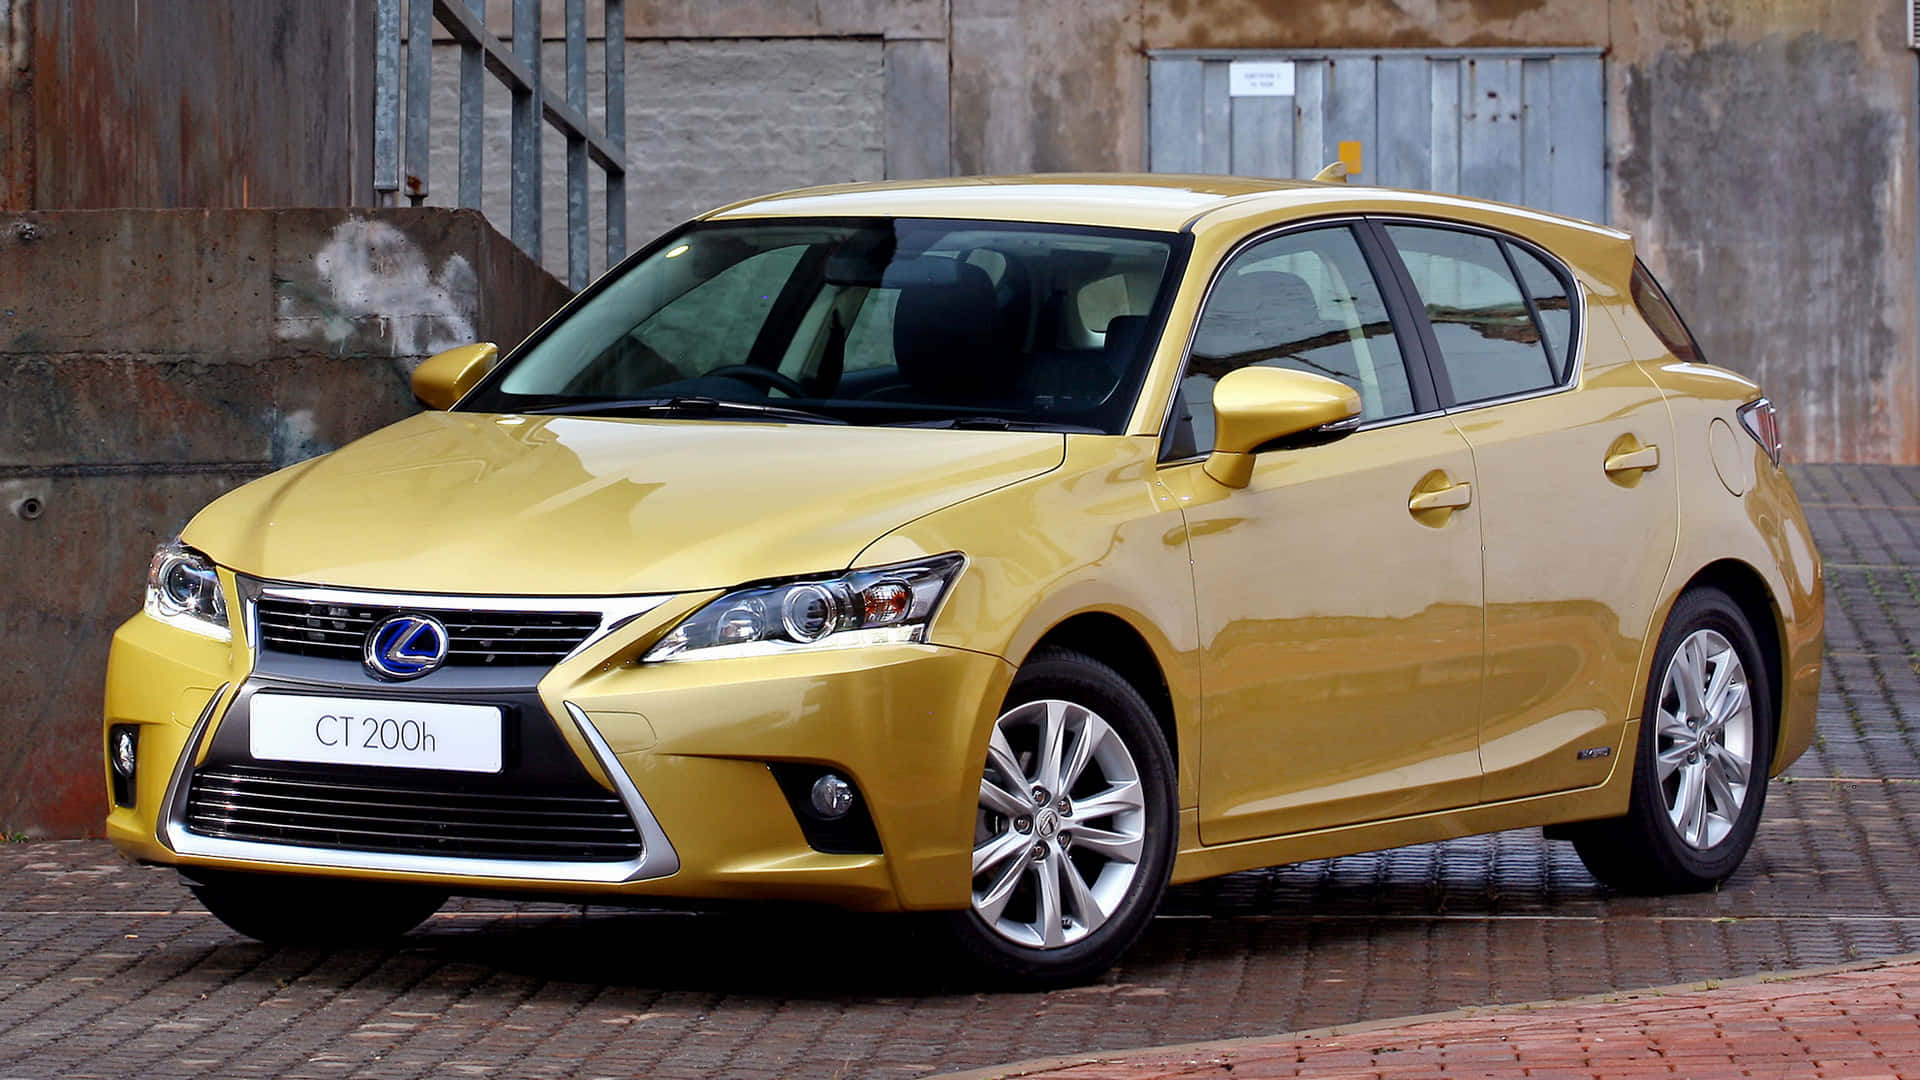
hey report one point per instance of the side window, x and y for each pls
(1490, 346)
(1548, 291)
(1305, 301)
(1654, 307)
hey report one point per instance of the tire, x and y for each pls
(1105, 843)
(1700, 743)
(313, 911)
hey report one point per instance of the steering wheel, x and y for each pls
(765, 377)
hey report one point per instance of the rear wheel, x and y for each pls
(1700, 772)
(1074, 832)
(312, 911)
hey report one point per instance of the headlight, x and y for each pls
(860, 607)
(184, 591)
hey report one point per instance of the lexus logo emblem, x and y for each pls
(405, 647)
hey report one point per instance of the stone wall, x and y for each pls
(152, 359)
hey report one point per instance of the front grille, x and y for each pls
(474, 638)
(292, 806)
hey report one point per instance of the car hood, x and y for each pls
(533, 505)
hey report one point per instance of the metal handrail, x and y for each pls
(518, 70)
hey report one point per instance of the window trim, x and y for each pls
(1436, 362)
(1383, 264)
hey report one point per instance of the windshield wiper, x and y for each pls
(993, 423)
(690, 406)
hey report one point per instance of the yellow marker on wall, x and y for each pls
(1350, 156)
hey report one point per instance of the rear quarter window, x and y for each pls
(1659, 312)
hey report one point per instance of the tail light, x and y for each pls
(1762, 421)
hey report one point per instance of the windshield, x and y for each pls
(894, 321)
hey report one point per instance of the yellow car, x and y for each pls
(1006, 549)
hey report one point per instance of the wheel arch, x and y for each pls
(1115, 642)
(1750, 592)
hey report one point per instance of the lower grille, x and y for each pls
(284, 806)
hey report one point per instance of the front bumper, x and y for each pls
(687, 746)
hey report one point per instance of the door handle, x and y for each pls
(1627, 460)
(1447, 498)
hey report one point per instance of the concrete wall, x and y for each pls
(1764, 157)
(1762, 153)
(150, 360)
(709, 121)
(111, 103)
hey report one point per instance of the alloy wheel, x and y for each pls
(1704, 739)
(1061, 825)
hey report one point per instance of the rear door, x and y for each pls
(1572, 451)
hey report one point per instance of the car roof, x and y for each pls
(1166, 202)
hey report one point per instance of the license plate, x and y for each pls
(354, 731)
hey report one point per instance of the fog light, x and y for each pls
(832, 796)
(123, 752)
(123, 744)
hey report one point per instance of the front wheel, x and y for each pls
(1700, 773)
(1074, 833)
(311, 911)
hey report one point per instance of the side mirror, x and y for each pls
(445, 378)
(1254, 406)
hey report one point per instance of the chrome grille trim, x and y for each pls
(657, 858)
(290, 804)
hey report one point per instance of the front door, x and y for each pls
(1339, 593)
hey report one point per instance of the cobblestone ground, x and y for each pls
(111, 970)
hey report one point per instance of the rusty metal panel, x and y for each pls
(193, 105)
(1518, 125)
(16, 104)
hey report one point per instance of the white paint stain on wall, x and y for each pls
(374, 290)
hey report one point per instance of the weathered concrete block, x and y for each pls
(73, 575)
(128, 409)
(368, 286)
(191, 282)
(150, 360)
(1805, 280)
(321, 402)
(1047, 87)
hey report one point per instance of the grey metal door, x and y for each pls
(1521, 126)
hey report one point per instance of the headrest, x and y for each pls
(956, 338)
(1123, 336)
(1256, 309)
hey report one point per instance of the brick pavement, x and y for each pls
(1856, 1023)
(111, 970)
